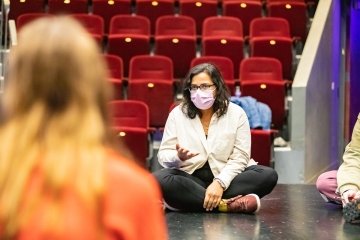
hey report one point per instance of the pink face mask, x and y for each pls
(202, 99)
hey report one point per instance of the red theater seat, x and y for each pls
(94, 24)
(175, 37)
(109, 8)
(130, 121)
(151, 81)
(295, 13)
(153, 9)
(270, 37)
(260, 68)
(115, 68)
(19, 7)
(271, 93)
(245, 10)
(155, 67)
(129, 36)
(262, 146)
(224, 64)
(68, 6)
(198, 10)
(223, 36)
(157, 94)
(25, 18)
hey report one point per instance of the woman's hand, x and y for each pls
(184, 154)
(213, 196)
(350, 195)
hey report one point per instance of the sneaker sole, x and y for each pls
(167, 206)
(257, 201)
(327, 200)
(351, 211)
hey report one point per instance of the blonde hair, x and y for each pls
(55, 119)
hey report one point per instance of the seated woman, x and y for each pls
(205, 151)
(59, 177)
(343, 186)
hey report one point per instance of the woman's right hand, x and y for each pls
(350, 195)
(184, 154)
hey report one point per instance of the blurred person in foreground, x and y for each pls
(59, 177)
(205, 151)
(342, 186)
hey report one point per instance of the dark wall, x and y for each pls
(354, 63)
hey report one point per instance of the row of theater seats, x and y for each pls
(130, 122)
(263, 90)
(295, 11)
(157, 95)
(151, 81)
(175, 37)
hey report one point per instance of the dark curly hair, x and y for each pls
(222, 94)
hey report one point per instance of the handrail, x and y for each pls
(12, 32)
(6, 9)
(4, 40)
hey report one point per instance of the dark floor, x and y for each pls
(289, 212)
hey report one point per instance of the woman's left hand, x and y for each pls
(213, 196)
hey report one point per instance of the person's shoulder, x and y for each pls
(236, 114)
(123, 170)
(177, 112)
(176, 109)
(235, 109)
(129, 192)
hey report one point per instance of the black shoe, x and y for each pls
(351, 211)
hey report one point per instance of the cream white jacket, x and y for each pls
(348, 175)
(227, 147)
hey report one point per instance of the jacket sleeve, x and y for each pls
(167, 155)
(348, 176)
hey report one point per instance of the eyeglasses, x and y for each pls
(202, 87)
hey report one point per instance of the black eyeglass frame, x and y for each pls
(202, 87)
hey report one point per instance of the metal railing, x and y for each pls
(6, 39)
(12, 33)
(5, 17)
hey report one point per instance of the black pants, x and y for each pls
(187, 191)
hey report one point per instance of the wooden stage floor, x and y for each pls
(289, 212)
